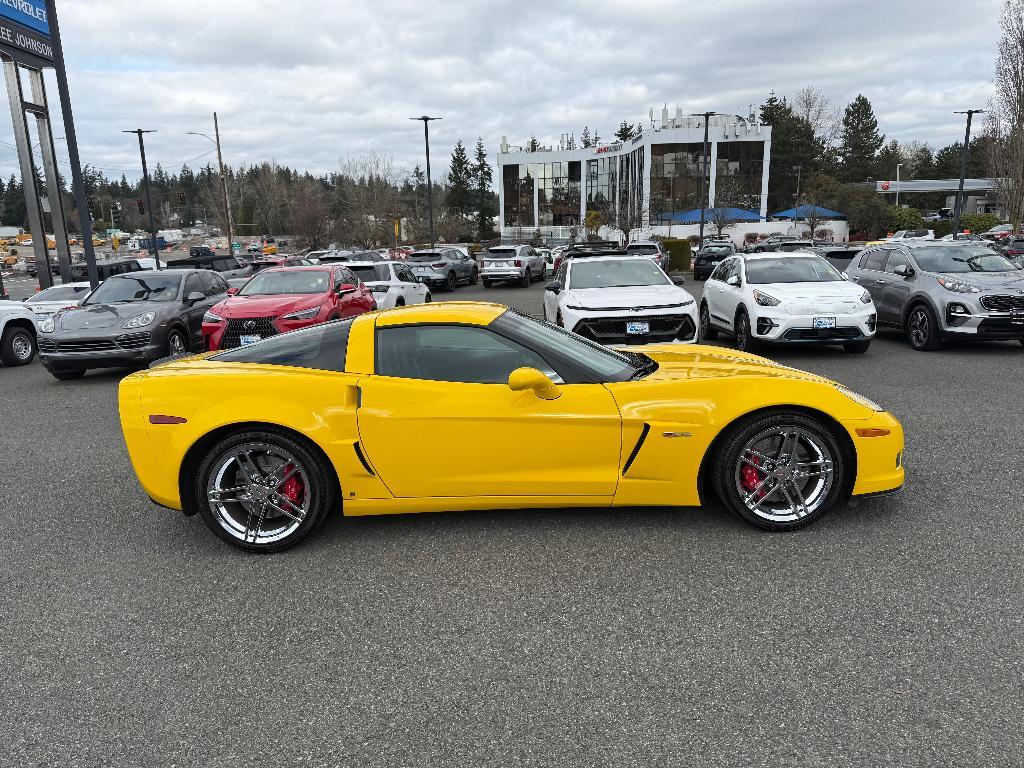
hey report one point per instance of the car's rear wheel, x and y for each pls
(475, 277)
(707, 330)
(17, 346)
(263, 491)
(176, 342)
(451, 282)
(923, 329)
(780, 470)
(526, 280)
(487, 283)
(67, 374)
(744, 340)
(857, 347)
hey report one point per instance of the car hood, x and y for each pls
(989, 281)
(698, 361)
(839, 289)
(49, 306)
(99, 316)
(267, 306)
(632, 297)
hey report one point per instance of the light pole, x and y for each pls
(430, 192)
(898, 166)
(704, 174)
(796, 208)
(963, 171)
(149, 202)
(223, 176)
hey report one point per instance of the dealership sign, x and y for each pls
(25, 31)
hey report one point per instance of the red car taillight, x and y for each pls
(519, 262)
(438, 265)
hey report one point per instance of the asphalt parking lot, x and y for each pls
(888, 633)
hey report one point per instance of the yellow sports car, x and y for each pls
(456, 406)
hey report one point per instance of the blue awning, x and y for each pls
(693, 216)
(807, 210)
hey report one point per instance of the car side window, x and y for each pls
(896, 258)
(464, 354)
(873, 260)
(322, 347)
(721, 272)
(213, 284)
(193, 285)
(563, 272)
(404, 273)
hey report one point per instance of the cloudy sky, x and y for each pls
(310, 82)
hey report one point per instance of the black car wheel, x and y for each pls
(526, 280)
(263, 491)
(475, 278)
(558, 319)
(923, 329)
(744, 340)
(707, 331)
(780, 470)
(17, 346)
(488, 283)
(176, 342)
(450, 283)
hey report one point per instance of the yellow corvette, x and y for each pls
(455, 406)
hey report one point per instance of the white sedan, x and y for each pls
(791, 298)
(51, 301)
(620, 300)
(392, 283)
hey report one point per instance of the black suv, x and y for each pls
(228, 266)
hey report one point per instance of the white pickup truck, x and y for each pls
(17, 334)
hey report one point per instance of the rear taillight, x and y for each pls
(438, 265)
(519, 262)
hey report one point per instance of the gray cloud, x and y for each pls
(307, 83)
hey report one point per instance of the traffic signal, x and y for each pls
(142, 206)
(182, 199)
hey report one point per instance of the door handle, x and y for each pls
(879, 282)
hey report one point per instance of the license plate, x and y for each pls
(245, 341)
(824, 322)
(638, 329)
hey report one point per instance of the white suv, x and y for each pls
(17, 334)
(520, 264)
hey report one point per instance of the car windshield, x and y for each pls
(616, 273)
(959, 258)
(425, 256)
(717, 249)
(60, 293)
(802, 269)
(122, 289)
(502, 251)
(602, 363)
(277, 283)
(372, 273)
(642, 248)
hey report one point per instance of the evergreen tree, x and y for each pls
(482, 178)
(860, 142)
(460, 182)
(794, 143)
(585, 138)
(887, 160)
(626, 131)
(15, 213)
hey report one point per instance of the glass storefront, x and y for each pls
(601, 185)
(517, 186)
(558, 190)
(738, 178)
(675, 179)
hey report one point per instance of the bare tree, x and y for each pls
(815, 106)
(370, 198)
(310, 218)
(270, 188)
(1005, 124)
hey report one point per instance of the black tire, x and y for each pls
(922, 329)
(451, 283)
(706, 332)
(399, 302)
(723, 472)
(475, 277)
(324, 496)
(488, 283)
(857, 347)
(744, 336)
(526, 280)
(176, 336)
(558, 319)
(67, 374)
(428, 299)
(17, 346)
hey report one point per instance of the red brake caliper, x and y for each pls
(751, 477)
(293, 489)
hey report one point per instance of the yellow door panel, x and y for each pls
(437, 439)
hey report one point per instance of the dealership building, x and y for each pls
(646, 183)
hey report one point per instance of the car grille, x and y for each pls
(47, 345)
(129, 341)
(612, 330)
(813, 334)
(133, 340)
(1002, 303)
(822, 308)
(247, 326)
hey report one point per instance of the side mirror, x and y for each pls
(232, 291)
(194, 298)
(345, 288)
(845, 276)
(679, 280)
(733, 281)
(522, 379)
(904, 271)
(554, 286)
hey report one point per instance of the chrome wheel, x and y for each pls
(259, 493)
(22, 347)
(919, 327)
(784, 474)
(176, 343)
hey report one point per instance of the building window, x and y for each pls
(738, 175)
(601, 186)
(517, 186)
(675, 179)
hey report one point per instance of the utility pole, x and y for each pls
(223, 179)
(430, 191)
(796, 209)
(898, 166)
(153, 250)
(958, 209)
(704, 175)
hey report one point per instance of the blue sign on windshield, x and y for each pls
(28, 13)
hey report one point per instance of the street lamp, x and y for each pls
(223, 176)
(796, 209)
(704, 173)
(898, 166)
(149, 203)
(963, 170)
(430, 192)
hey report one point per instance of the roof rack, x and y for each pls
(595, 248)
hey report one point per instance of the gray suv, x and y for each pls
(936, 291)
(444, 267)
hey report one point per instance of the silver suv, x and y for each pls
(444, 267)
(936, 291)
(520, 264)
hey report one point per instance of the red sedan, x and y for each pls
(284, 299)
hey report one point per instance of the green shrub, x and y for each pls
(679, 251)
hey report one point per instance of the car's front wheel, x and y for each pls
(262, 490)
(176, 342)
(744, 340)
(707, 330)
(17, 346)
(923, 329)
(780, 470)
